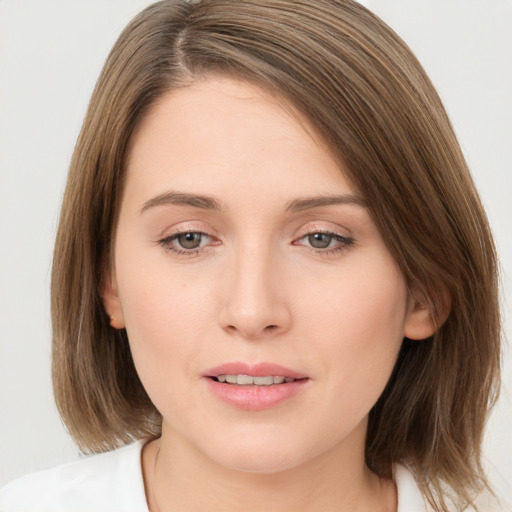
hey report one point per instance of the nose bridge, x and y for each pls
(255, 304)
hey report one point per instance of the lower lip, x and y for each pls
(255, 398)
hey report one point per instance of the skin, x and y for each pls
(258, 288)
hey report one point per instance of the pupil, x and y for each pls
(190, 240)
(320, 240)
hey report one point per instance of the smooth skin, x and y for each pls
(227, 250)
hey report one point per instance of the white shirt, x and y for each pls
(113, 481)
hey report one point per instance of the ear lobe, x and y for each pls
(423, 318)
(111, 301)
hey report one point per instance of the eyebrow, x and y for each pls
(308, 203)
(209, 203)
(181, 199)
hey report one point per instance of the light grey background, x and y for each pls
(51, 52)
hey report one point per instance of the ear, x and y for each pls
(110, 299)
(423, 319)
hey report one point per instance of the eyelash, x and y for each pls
(166, 243)
(345, 243)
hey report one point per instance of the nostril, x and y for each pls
(251, 331)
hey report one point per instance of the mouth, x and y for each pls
(255, 387)
(251, 380)
(255, 374)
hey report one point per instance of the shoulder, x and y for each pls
(105, 482)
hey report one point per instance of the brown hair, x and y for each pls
(367, 95)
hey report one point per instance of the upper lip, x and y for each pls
(263, 369)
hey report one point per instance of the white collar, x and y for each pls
(410, 498)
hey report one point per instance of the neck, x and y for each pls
(179, 477)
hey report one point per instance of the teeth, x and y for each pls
(263, 381)
(245, 380)
(249, 380)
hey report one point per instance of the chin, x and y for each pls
(262, 454)
(260, 463)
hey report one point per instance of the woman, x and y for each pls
(267, 270)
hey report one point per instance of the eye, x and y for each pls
(320, 240)
(325, 242)
(189, 240)
(186, 242)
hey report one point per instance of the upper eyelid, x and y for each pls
(186, 227)
(173, 236)
(338, 236)
(322, 232)
(321, 225)
(315, 228)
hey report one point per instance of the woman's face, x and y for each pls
(242, 249)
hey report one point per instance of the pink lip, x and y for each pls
(256, 370)
(255, 398)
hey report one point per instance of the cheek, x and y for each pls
(163, 324)
(363, 323)
(375, 316)
(362, 303)
(164, 313)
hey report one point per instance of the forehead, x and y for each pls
(219, 131)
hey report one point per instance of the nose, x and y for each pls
(255, 305)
